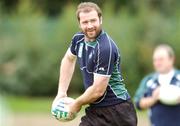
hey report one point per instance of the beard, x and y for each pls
(91, 34)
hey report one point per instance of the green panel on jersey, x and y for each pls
(117, 85)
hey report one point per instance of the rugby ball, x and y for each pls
(169, 94)
(60, 109)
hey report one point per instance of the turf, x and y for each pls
(33, 106)
(29, 104)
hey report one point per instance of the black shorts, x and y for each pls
(122, 114)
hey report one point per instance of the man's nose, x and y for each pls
(89, 25)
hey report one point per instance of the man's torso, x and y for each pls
(100, 57)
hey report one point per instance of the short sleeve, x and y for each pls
(78, 37)
(72, 47)
(104, 60)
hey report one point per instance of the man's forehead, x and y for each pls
(87, 15)
(160, 53)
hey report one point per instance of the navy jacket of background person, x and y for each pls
(160, 114)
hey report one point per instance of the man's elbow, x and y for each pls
(100, 86)
(98, 93)
(68, 59)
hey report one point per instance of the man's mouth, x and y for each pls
(91, 31)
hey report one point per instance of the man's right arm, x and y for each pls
(66, 71)
(145, 102)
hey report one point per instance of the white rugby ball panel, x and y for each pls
(60, 109)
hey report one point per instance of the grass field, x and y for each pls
(28, 111)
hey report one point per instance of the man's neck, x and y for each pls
(89, 39)
(168, 72)
(166, 78)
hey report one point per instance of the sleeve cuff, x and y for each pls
(102, 75)
(69, 50)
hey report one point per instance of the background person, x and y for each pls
(147, 95)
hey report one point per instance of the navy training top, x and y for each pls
(100, 57)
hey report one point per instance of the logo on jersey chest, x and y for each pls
(101, 69)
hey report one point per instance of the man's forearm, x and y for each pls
(89, 96)
(66, 72)
(147, 102)
(95, 91)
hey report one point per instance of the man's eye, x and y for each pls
(85, 22)
(93, 20)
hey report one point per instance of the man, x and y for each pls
(99, 62)
(147, 95)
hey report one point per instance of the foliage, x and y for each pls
(32, 45)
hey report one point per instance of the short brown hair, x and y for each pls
(87, 7)
(166, 47)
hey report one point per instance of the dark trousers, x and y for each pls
(122, 114)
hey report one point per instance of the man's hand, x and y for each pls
(59, 95)
(148, 102)
(74, 107)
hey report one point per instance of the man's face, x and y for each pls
(90, 24)
(162, 62)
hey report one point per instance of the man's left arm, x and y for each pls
(94, 92)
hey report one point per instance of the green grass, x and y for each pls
(32, 105)
(29, 104)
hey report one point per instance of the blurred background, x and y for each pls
(34, 35)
